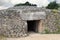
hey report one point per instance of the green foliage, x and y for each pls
(53, 5)
(55, 11)
(47, 31)
(58, 31)
(26, 4)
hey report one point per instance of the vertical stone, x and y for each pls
(40, 26)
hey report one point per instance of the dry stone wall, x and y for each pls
(11, 24)
(52, 22)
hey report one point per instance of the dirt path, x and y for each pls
(35, 36)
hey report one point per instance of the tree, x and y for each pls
(53, 5)
(26, 4)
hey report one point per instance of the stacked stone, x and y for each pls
(52, 21)
(11, 24)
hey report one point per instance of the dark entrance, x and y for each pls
(32, 26)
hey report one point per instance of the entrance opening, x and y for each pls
(32, 26)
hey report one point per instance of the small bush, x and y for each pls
(47, 31)
(55, 11)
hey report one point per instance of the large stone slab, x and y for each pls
(33, 15)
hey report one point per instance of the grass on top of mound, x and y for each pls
(55, 11)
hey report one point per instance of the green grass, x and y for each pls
(47, 31)
(56, 32)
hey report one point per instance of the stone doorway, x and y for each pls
(32, 25)
(35, 26)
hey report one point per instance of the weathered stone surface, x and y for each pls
(52, 22)
(33, 15)
(11, 24)
(30, 12)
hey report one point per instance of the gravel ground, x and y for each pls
(35, 36)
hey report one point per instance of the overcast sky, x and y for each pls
(10, 3)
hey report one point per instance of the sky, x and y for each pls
(9, 3)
